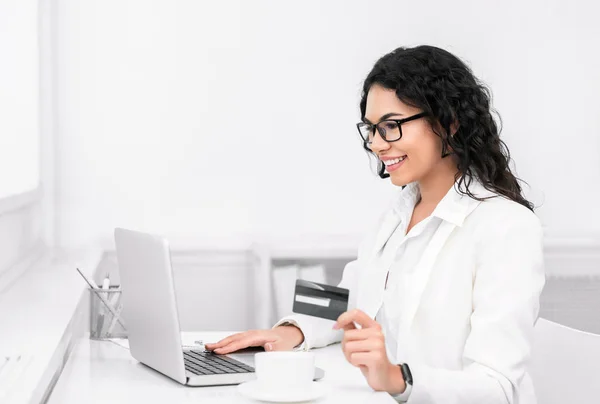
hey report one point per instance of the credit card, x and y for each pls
(319, 300)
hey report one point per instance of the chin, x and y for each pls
(400, 180)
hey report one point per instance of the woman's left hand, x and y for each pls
(365, 349)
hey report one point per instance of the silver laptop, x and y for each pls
(152, 320)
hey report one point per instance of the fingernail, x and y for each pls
(269, 347)
(335, 326)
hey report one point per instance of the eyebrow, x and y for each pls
(386, 116)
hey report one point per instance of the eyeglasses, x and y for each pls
(390, 130)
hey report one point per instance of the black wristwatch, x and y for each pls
(406, 375)
(408, 381)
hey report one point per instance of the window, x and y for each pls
(19, 97)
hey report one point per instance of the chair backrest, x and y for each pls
(565, 364)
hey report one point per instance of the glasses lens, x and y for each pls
(389, 130)
(366, 131)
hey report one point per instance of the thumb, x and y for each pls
(273, 345)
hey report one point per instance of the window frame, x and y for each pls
(19, 201)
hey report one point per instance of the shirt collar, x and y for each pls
(453, 207)
(407, 198)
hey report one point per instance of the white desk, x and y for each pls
(40, 319)
(103, 372)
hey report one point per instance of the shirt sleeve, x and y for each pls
(318, 332)
(403, 397)
(290, 321)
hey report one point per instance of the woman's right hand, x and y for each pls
(282, 338)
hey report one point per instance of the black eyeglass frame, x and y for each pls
(398, 122)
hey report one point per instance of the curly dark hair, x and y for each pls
(444, 87)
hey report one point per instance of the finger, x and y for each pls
(355, 316)
(235, 346)
(361, 334)
(350, 326)
(250, 340)
(225, 341)
(365, 358)
(232, 338)
(366, 345)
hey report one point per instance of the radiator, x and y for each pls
(572, 292)
(573, 301)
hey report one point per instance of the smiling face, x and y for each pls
(419, 149)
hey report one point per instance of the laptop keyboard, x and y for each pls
(208, 363)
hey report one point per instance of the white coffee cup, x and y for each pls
(285, 369)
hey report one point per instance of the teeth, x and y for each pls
(395, 161)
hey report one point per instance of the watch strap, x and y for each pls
(406, 374)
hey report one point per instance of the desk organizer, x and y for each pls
(105, 314)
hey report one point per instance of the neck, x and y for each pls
(435, 186)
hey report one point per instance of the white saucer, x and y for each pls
(254, 390)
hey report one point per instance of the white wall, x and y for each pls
(236, 118)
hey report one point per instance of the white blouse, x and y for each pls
(409, 249)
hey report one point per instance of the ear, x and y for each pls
(446, 148)
(454, 127)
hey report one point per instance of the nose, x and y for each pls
(378, 144)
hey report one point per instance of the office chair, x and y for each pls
(565, 365)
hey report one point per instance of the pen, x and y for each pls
(106, 282)
(102, 299)
(101, 311)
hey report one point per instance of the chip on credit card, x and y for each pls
(319, 300)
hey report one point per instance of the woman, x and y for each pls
(446, 289)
